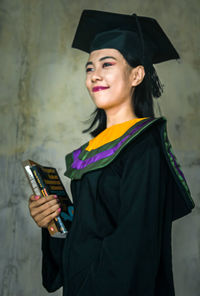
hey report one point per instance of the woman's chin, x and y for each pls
(102, 104)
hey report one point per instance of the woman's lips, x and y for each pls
(98, 88)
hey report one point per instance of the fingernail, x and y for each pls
(59, 210)
(55, 196)
(37, 197)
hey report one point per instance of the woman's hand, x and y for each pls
(44, 209)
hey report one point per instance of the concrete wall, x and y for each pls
(43, 102)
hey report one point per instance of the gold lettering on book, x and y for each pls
(52, 182)
(56, 187)
(53, 177)
(34, 172)
(48, 171)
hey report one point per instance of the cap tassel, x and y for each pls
(140, 35)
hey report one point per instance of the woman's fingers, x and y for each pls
(34, 197)
(47, 205)
(35, 202)
(44, 209)
(43, 219)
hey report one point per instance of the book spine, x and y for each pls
(52, 228)
(32, 181)
(44, 191)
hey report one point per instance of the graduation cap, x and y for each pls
(136, 36)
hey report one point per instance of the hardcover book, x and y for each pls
(46, 181)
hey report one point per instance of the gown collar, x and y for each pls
(111, 133)
(81, 160)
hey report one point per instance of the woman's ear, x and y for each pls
(138, 74)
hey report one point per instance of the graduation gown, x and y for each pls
(126, 195)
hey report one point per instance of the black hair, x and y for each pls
(142, 98)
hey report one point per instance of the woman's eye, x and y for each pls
(107, 64)
(89, 69)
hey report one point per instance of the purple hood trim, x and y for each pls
(80, 164)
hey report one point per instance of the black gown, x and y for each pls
(120, 239)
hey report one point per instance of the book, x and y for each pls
(46, 181)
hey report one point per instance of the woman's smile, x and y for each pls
(98, 88)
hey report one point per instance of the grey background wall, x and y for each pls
(43, 102)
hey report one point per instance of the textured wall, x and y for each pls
(43, 103)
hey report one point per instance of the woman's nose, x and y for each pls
(96, 75)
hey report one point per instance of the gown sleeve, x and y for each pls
(52, 278)
(130, 256)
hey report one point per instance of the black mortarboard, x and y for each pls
(142, 37)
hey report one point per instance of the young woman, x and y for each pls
(126, 184)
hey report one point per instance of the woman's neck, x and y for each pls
(113, 118)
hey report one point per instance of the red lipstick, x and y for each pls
(98, 88)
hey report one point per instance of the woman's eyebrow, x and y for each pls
(101, 59)
(107, 57)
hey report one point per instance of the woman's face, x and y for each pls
(109, 78)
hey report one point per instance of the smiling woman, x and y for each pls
(139, 87)
(126, 183)
(111, 82)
